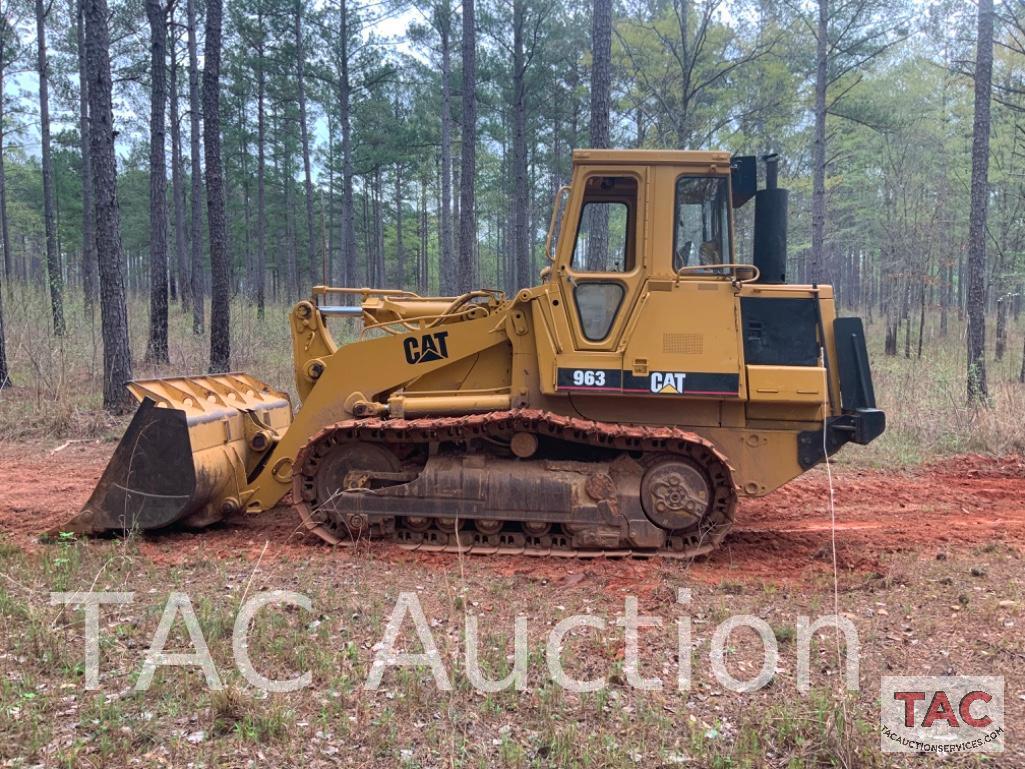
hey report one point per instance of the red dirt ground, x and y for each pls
(959, 503)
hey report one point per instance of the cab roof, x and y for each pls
(649, 157)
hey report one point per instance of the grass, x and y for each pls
(48, 718)
(924, 399)
(58, 385)
(943, 615)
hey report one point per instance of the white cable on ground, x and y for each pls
(832, 501)
(832, 542)
(832, 534)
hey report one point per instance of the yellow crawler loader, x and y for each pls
(619, 407)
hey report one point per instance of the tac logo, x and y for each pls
(942, 714)
(667, 382)
(427, 348)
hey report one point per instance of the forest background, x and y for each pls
(419, 145)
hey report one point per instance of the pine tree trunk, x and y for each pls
(178, 185)
(976, 300)
(1001, 341)
(377, 280)
(456, 221)
(379, 225)
(892, 311)
(89, 268)
(601, 98)
(197, 287)
(368, 241)
(448, 256)
(156, 348)
(946, 275)
(400, 251)
(467, 193)
(344, 96)
(5, 377)
(117, 354)
(291, 265)
(5, 240)
(220, 269)
(54, 274)
(1021, 374)
(304, 135)
(422, 273)
(5, 233)
(331, 262)
(906, 315)
(520, 249)
(247, 198)
(921, 319)
(261, 174)
(601, 72)
(818, 196)
(507, 218)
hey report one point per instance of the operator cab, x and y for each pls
(633, 219)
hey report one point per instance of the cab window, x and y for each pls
(701, 235)
(605, 241)
(597, 305)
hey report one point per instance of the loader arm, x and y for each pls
(340, 383)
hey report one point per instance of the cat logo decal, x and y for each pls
(427, 348)
(667, 382)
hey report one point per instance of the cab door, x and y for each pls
(601, 265)
(685, 342)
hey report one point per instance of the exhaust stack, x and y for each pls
(770, 235)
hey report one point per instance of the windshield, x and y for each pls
(701, 235)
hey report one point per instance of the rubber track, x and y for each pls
(571, 429)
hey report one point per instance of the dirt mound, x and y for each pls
(961, 502)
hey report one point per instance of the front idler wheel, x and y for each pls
(675, 494)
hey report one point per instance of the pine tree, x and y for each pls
(178, 175)
(601, 73)
(54, 271)
(467, 278)
(198, 290)
(156, 348)
(90, 276)
(117, 354)
(978, 391)
(220, 269)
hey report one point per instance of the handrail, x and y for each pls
(734, 270)
(551, 224)
(324, 290)
(457, 306)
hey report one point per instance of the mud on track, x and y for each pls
(963, 502)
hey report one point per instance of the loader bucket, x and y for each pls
(186, 455)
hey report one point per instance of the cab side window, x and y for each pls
(605, 232)
(597, 304)
(701, 235)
